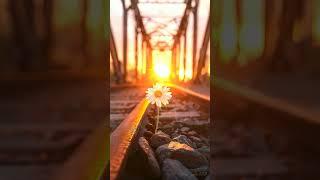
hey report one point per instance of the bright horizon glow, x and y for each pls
(162, 71)
(161, 64)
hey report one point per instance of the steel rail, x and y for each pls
(122, 138)
(203, 98)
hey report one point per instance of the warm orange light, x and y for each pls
(162, 71)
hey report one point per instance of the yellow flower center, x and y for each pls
(157, 93)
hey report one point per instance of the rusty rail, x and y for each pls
(122, 138)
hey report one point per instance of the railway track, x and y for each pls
(254, 137)
(122, 101)
(186, 117)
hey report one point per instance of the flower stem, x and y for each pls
(157, 122)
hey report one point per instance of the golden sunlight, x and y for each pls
(161, 63)
(162, 71)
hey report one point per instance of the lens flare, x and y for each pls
(162, 71)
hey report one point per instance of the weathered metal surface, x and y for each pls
(203, 50)
(199, 96)
(122, 138)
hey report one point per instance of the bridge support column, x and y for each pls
(195, 37)
(184, 53)
(125, 39)
(174, 62)
(203, 52)
(136, 52)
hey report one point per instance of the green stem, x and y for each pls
(157, 122)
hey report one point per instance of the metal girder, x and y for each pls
(136, 52)
(163, 25)
(203, 51)
(183, 22)
(114, 54)
(184, 54)
(125, 39)
(138, 17)
(174, 62)
(195, 36)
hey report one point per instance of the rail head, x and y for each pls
(122, 138)
(201, 97)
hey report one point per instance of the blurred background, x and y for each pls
(265, 56)
(53, 76)
(44, 35)
(268, 43)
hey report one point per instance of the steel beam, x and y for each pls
(116, 63)
(136, 52)
(184, 54)
(183, 22)
(174, 62)
(203, 51)
(178, 58)
(138, 17)
(125, 39)
(149, 59)
(195, 36)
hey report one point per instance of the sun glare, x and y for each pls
(162, 71)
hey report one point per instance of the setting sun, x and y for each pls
(162, 71)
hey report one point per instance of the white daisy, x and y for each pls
(159, 95)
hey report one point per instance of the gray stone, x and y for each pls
(192, 133)
(149, 156)
(175, 134)
(184, 129)
(184, 140)
(150, 127)
(187, 155)
(148, 135)
(195, 123)
(167, 128)
(159, 139)
(163, 152)
(205, 150)
(174, 170)
(196, 139)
